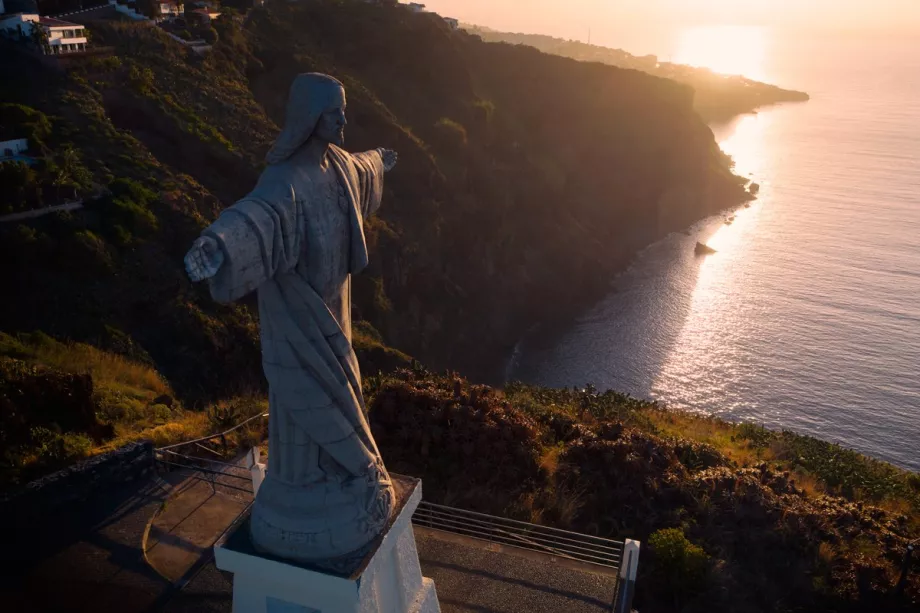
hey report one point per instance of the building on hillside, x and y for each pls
(453, 23)
(170, 10)
(53, 35)
(13, 148)
(415, 7)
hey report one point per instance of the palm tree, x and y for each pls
(68, 171)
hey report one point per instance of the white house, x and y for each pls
(453, 23)
(415, 7)
(9, 148)
(62, 36)
(170, 9)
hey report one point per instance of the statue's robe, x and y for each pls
(326, 487)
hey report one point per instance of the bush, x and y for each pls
(470, 447)
(55, 449)
(454, 132)
(677, 562)
(678, 565)
(208, 35)
(126, 211)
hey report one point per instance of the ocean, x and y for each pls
(808, 316)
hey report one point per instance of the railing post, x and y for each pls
(905, 571)
(626, 583)
(257, 470)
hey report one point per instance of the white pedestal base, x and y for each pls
(388, 580)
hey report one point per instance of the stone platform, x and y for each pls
(385, 578)
(470, 576)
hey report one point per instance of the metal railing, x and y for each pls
(245, 475)
(619, 556)
(220, 435)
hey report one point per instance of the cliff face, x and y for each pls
(525, 181)
(717, 96)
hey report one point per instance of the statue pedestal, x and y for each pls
(385, 579)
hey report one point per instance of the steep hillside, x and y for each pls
(525, 181)
(732, 518)
(717, 96)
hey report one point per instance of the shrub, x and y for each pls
(126, 211)
(454, 131)
(486, 108)
(209, 35)
(54, 449)
(474, 449)
(678, 565)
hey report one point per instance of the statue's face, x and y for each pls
(331, 125)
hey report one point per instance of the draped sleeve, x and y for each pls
(260, 237)
(369, 168)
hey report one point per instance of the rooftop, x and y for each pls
(51, 22)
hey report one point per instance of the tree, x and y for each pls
(67, 170)
(20, 186)
(40, 38)
(149, 8)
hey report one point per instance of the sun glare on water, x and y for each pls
(710, 311)
(729, 50)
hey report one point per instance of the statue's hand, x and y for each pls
(203, 260)
(389, 159)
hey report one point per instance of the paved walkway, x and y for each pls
(128, 550)
(183, 531)
(87, 559)
(148, 548)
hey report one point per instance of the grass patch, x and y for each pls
(71, 400)
(106, 368)
(818, 467)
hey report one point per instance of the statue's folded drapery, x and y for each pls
(321, 452)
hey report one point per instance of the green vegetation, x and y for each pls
(60, 402)
(680, 567)
(525, 181)
(57, 170)
(495, 205)
(727, 524)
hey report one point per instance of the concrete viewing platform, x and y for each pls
(470, 576)
(148, 547)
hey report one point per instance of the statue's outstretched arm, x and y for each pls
(204, 259)
(390, 158)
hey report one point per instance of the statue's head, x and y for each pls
(331, 125)
(315, 108)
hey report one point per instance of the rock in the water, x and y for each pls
(702, 249)
(754, 188)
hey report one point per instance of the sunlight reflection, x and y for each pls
(745, 144)
(730, 50)
(710, 314)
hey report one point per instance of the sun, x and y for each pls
(729, 50)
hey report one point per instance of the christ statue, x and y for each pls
(296, 239)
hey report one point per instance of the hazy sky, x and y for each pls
(621, 21)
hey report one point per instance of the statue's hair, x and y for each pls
(311, 94)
